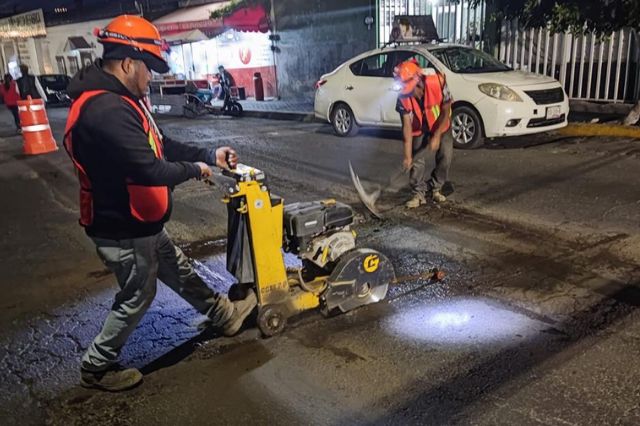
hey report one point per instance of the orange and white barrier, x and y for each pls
(36, 131)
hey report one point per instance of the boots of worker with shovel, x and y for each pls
(395, 181)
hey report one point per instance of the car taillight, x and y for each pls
(320, 83)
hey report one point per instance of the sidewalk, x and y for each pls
(582, 113)
(277, 109)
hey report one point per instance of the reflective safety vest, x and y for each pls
(146, 203)
(432, 100)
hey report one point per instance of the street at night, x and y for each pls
(535, 321)
(337, 212)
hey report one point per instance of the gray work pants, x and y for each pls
(137, 264)
(426, 164)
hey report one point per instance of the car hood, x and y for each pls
(509, 78)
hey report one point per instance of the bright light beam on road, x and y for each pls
(461, 322)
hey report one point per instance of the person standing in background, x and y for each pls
(29, 85)
(9, 93)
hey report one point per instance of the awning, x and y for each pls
(192, 36)
(75, 43)
(252, 19)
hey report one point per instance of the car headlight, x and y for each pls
(499, 91)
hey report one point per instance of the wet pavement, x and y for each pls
(535, 322)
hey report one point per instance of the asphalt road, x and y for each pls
(535, 323)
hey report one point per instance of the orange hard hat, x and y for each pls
(407, 74)
(134, 37)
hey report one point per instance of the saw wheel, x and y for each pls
(272, 319)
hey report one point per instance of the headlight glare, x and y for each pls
(499, 91)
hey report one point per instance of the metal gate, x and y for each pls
(590, 68)
(455, 21)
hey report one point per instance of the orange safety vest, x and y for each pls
(146, 203)
(432, 101)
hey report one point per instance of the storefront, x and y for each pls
(239, 42)
(20, 37)
(62, 49)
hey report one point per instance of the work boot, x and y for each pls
(417, 200)
(112, 380)
(241, 310)
(437, 197)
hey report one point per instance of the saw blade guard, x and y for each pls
(361, 276)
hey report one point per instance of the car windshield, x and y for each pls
(464, 60)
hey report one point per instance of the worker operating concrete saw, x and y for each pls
(335, 274)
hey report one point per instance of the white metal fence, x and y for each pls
(456, 22)
(589, 68)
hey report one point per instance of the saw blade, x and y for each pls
(369, 200)
(361, 277)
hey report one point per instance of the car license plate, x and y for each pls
(553, 112)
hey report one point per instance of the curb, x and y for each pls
(591, 129)
(279, 115)
(599, 108)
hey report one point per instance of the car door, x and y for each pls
(364, 91)
(390, 116)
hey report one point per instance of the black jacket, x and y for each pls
(27, 87)
(110, 143)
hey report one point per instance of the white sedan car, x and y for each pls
(490, 99)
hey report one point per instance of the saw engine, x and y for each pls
(335, 274)
(319, 231)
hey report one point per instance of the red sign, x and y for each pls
(245, 55)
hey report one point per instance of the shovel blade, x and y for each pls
(369, 200)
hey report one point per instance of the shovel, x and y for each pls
(369, 200)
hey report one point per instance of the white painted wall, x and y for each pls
(54, 44)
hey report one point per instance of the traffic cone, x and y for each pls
(36, 131)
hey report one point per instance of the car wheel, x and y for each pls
(466, 128)
(344, 123)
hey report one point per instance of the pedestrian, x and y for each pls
(29, 85)
(127, 170)
(424, 104)
(226, 79)
(10, 95)
(226, 83)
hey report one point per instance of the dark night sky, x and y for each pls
(7, 6)
(82, 8)
(23, 5)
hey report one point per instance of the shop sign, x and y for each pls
(29, 24)
(238, 50)
(177, 27)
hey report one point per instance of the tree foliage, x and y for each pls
(579, 16)
(237, 4)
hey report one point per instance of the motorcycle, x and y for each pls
(199, 102)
